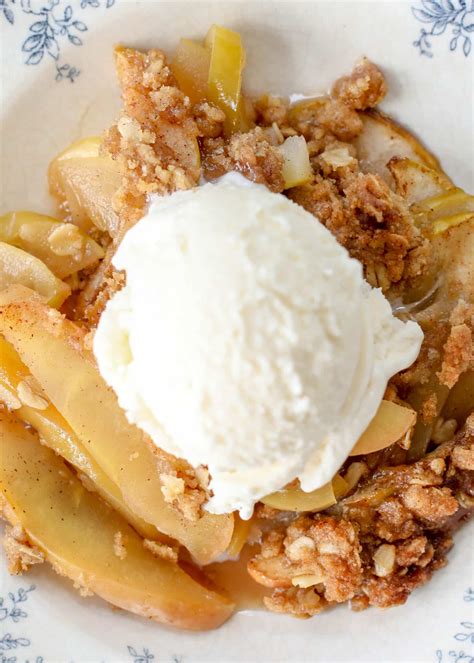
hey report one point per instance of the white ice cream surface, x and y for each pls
(246, 340)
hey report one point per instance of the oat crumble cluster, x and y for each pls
(393, 528)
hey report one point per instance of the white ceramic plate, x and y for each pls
(57, 84)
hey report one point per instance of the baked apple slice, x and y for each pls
(19, 267)
(63, 247)
(190, 67)
(20, 392)
(415, 181)
(85, 182)
(85, 540)
(382, 139)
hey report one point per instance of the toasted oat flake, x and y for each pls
(66, 240)
(300, 548)
(384, 560)
(307, 580)
(172, 487)
(29, 394)
(337, 157)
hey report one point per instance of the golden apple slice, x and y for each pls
(446, 222)
(227, 58)
(296, 166)
(295, 499)
(86, 182)
(53, 349)
(190, 67)
(382, 139)
(18, 392)
(239, 536)
(449, 203)
(19, 267)
(415, 181)
(391, 423)
(91, 544)
(62, 247)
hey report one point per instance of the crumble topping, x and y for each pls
(251, 154)
(369, 220)
(184, 487)
(393, 529)
(364, 88)
(155, 138)
(377, 545)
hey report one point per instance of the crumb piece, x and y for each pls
(80, 584)
(416, 551)
(89, 340)
(359, 603)
(161, 550)
(203, 477)
(429, 409)
(296, 601)
(271, 109)
(458, 354)
(19, 552)
(463, 312)
(463, 458)
(209, 119)
(430, 503)
(120, 550)
(364, 88)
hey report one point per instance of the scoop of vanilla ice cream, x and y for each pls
(246, 340)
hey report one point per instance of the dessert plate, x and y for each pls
(57, 84)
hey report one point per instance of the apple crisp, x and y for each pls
(385, 523)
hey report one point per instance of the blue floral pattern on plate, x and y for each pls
(456, 16)
(50, 25)
(13, 611)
